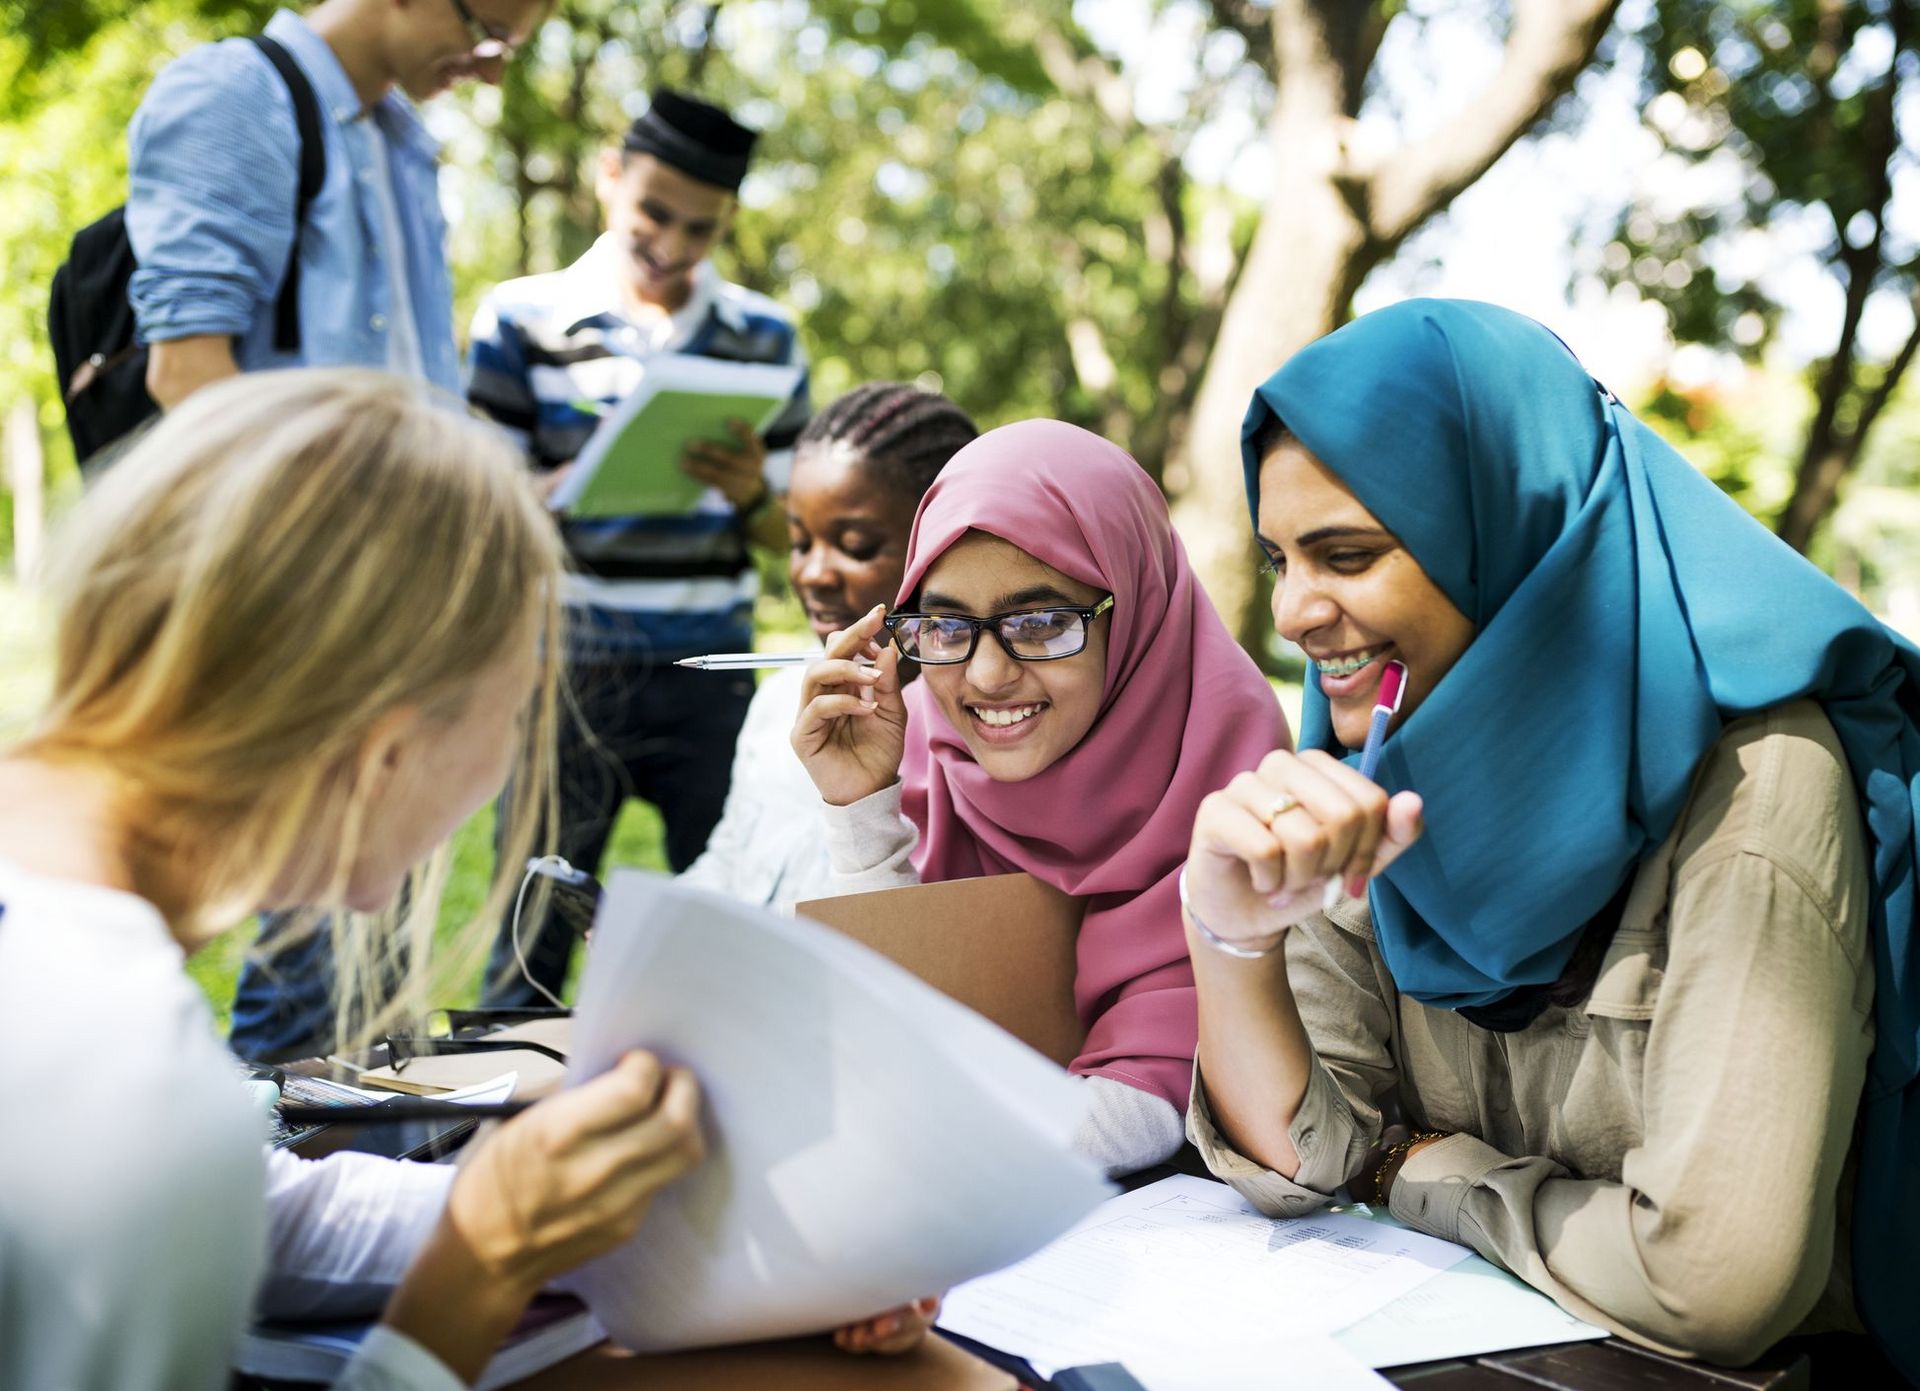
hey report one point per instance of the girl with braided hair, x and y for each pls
(859, 471)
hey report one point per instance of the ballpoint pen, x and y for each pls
(1393, 687)
(749, 661)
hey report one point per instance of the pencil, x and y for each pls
(397, 1112)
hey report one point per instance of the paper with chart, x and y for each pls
(869, 1141)
(1183, 1265)
(631, 465)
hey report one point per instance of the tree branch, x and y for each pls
(1253, 23)
(1550, 42)
(1826, 455)
(1889, 383)
(1084, 76)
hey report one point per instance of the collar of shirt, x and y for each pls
(589, 289)
(335, 92)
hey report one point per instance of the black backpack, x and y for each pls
(101, 364)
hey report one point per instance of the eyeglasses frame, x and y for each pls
(990, 624)
(496, 45)
(405, 1048)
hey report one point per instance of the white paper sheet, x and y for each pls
(869, 1140)
(1474, 1308)
(1189, 1286)
(1292, 1364)
(488, 1093)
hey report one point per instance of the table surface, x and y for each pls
(1610, 1365)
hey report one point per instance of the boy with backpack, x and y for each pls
(282, 210)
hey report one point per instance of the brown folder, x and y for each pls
(795, 1364)
(1002, 945)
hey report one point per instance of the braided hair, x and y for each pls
(905, 435)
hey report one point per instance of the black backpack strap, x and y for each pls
(313, 171)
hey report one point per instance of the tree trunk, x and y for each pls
(1293, 288)
(1830, 451)
(1831, 454)
(1328, 222)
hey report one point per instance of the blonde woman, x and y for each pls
(301, 630)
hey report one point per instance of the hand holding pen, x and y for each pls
(852, 728)
(1289, 838)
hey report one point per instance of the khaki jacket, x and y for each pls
(1667, 1160)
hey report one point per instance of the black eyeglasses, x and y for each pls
(404, 1048)
(1026, 635)
(486, 42)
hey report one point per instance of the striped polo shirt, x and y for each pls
(550, 354)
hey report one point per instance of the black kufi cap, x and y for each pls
(701, 141)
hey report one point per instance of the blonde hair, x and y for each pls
(281, 561)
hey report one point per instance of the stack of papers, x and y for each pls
(1192, 1290)
(869, 1141)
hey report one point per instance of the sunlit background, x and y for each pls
(1125, 212)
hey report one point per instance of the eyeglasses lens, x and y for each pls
(1037, 636)
(1044, 633)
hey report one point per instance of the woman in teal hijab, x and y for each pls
(1629, 941)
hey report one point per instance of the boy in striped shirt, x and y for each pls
(550, 354)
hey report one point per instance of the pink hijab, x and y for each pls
(1183, 711)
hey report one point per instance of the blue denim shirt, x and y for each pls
(214, 176)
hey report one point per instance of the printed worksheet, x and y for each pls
(869, 1141)
(1188, 1286)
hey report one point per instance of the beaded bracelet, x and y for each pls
(1214, 939)
(1397, 1151)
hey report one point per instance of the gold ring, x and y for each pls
(1282, 804)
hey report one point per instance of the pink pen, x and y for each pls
(1393, 686)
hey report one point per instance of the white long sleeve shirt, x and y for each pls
(142, 1220)
(770, 845)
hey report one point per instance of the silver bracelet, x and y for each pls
(1214, 939)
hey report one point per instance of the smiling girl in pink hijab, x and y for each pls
(1077, 697)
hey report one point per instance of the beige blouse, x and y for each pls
(1666, 1160)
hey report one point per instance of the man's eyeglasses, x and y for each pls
(486, 42)
(1026, 635)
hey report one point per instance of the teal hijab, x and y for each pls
(1625, 609)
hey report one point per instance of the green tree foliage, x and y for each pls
(928, 195)
(72, 76)
(1782, 117)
